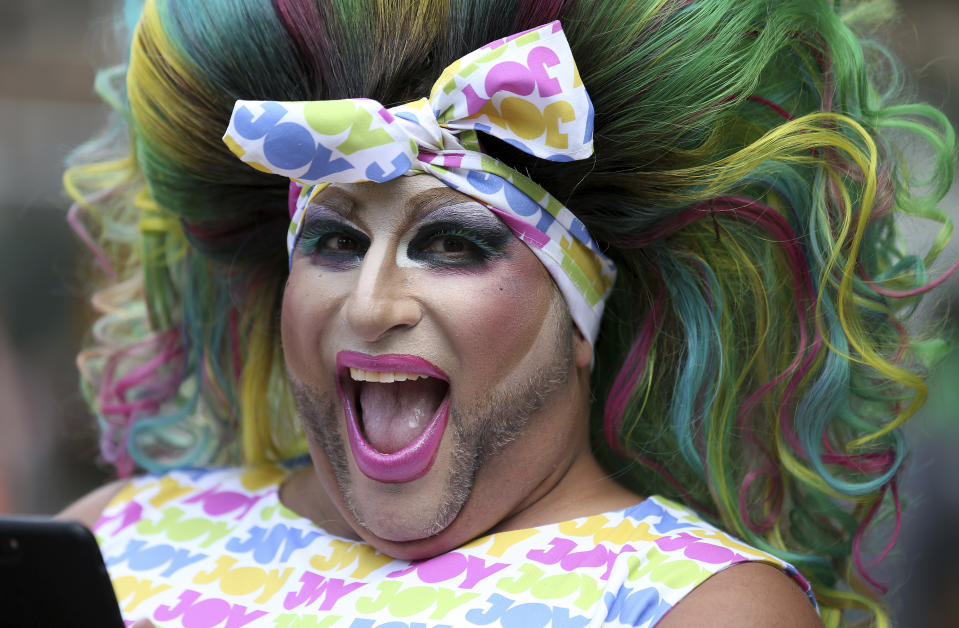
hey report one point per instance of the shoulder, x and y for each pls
(87, 509)
(746, 594)
(226, 484)
(705, 576)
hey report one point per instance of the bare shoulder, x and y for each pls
(87, 509)
(748, 594)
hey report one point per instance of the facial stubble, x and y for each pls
(481, 431)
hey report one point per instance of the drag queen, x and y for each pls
(589, 313)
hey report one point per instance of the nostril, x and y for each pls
(372, 318)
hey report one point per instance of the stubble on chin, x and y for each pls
(480, 431)
(319, 417)
(486, 430)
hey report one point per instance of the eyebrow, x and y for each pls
(428, 201)
(418, 206)
(335, 200)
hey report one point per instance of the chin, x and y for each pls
(402, 514)
(402, 539)
(414, 519)
(416, 549)
(406, 500)
(396, 523)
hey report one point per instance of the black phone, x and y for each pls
(52, 575)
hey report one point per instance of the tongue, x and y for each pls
(393, 415)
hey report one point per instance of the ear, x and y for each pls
(582, 349)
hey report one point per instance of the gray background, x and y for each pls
(48, 52)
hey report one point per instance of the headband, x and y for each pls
(523, 89)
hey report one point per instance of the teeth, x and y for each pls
(362, 375)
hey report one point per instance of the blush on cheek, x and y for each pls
(298, 335)
(504, 311)
(289, 332)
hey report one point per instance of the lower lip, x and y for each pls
(413, 461)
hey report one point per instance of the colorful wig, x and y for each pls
(748, 173)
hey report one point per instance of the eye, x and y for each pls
(332, 242)
(450, 245)
(338, 242)
(458, 243)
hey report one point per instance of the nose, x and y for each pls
(381, 301)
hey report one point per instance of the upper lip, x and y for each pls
(388, 363)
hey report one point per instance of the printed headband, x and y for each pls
(523, 89)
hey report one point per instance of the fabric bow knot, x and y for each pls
(523, 89)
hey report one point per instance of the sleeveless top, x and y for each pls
(215, 547)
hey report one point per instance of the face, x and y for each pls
(440, 382)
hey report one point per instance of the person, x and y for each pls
(590, 313)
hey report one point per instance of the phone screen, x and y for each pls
(52, 574)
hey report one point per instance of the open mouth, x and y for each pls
(397, 408)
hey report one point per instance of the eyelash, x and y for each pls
(483, 250)
(480, 247)
(315, 234)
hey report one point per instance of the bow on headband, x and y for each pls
(523, 89)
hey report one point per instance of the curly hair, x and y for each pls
(753, 361)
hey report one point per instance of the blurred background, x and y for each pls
(49, 50)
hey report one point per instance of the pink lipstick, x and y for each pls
(413, 460)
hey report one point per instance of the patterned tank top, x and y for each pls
(200, 548)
